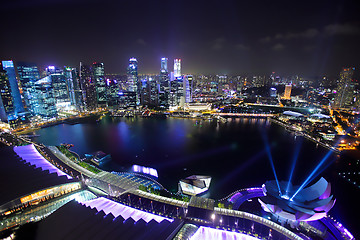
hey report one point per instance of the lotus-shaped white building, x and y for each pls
(309, 204)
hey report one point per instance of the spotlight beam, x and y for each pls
(307, 180)
(295, 158)
(267, 147)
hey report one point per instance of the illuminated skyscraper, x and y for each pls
(287, 93)
(73, 84)
(164, 84)
(28, 75)
(188, 86)
(133, 81)
(345, 90)
(6, 100)
(88, 87)
(8, 66)
(99, 78)
(45, 104)
(59, 85)
(164, 65)
(177, 67)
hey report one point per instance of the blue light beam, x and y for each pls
(311, 176)
(267, 147)
(307, 180)
(295, 158)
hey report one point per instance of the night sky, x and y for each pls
(308, 38)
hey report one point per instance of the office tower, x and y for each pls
(45, 104)
(273, 92)
(112, 88)
(176, 95)
(164, 88)
(164, 65)
(177, 68)
(6, 100)
(345, 90)
(74, 88)
(28, 75)
(88, 87)
(287, 93)
(99, 79)
(8, 66)
(188, 88)
(57, 78)
(149, 92)
(134, 85)
(127, 99)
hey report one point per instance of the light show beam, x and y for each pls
(295, 158)
(268, 151)
(307, 180)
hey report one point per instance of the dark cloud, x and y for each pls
(278, 47)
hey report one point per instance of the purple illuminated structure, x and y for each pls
(145, 170)
(126, 212)
(211, 233)
(311, 203)
(32, 156)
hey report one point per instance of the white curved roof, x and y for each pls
(294, 114)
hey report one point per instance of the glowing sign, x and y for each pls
(145, 170)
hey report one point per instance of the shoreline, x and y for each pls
(307, 136)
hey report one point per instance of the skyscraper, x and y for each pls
(28, 75)
(164, 65)
(99, 79)
(345, 90)
(177, 67)
(188, 88)
(73, 85)
(287, 93)
(88, 87)
(45, 105)
(133, 81)
(59, 85)
(8, 66)
(6, 100)
(164, 84)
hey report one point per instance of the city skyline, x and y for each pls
(233, 38)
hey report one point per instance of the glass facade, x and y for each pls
(99, 78)
(28, 75)
(8, 66)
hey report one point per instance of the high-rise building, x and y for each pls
(88, 87)
(99, 79)
(74, 88)
(177, 68)
(6, 100)
(59, 84)
(28, 75)
(164, 87)
(287, 93)
(188, 88)
(45, 104)
(176, 95)
(164, 65)
(345, 90)
(134, 85)
(8, 66)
